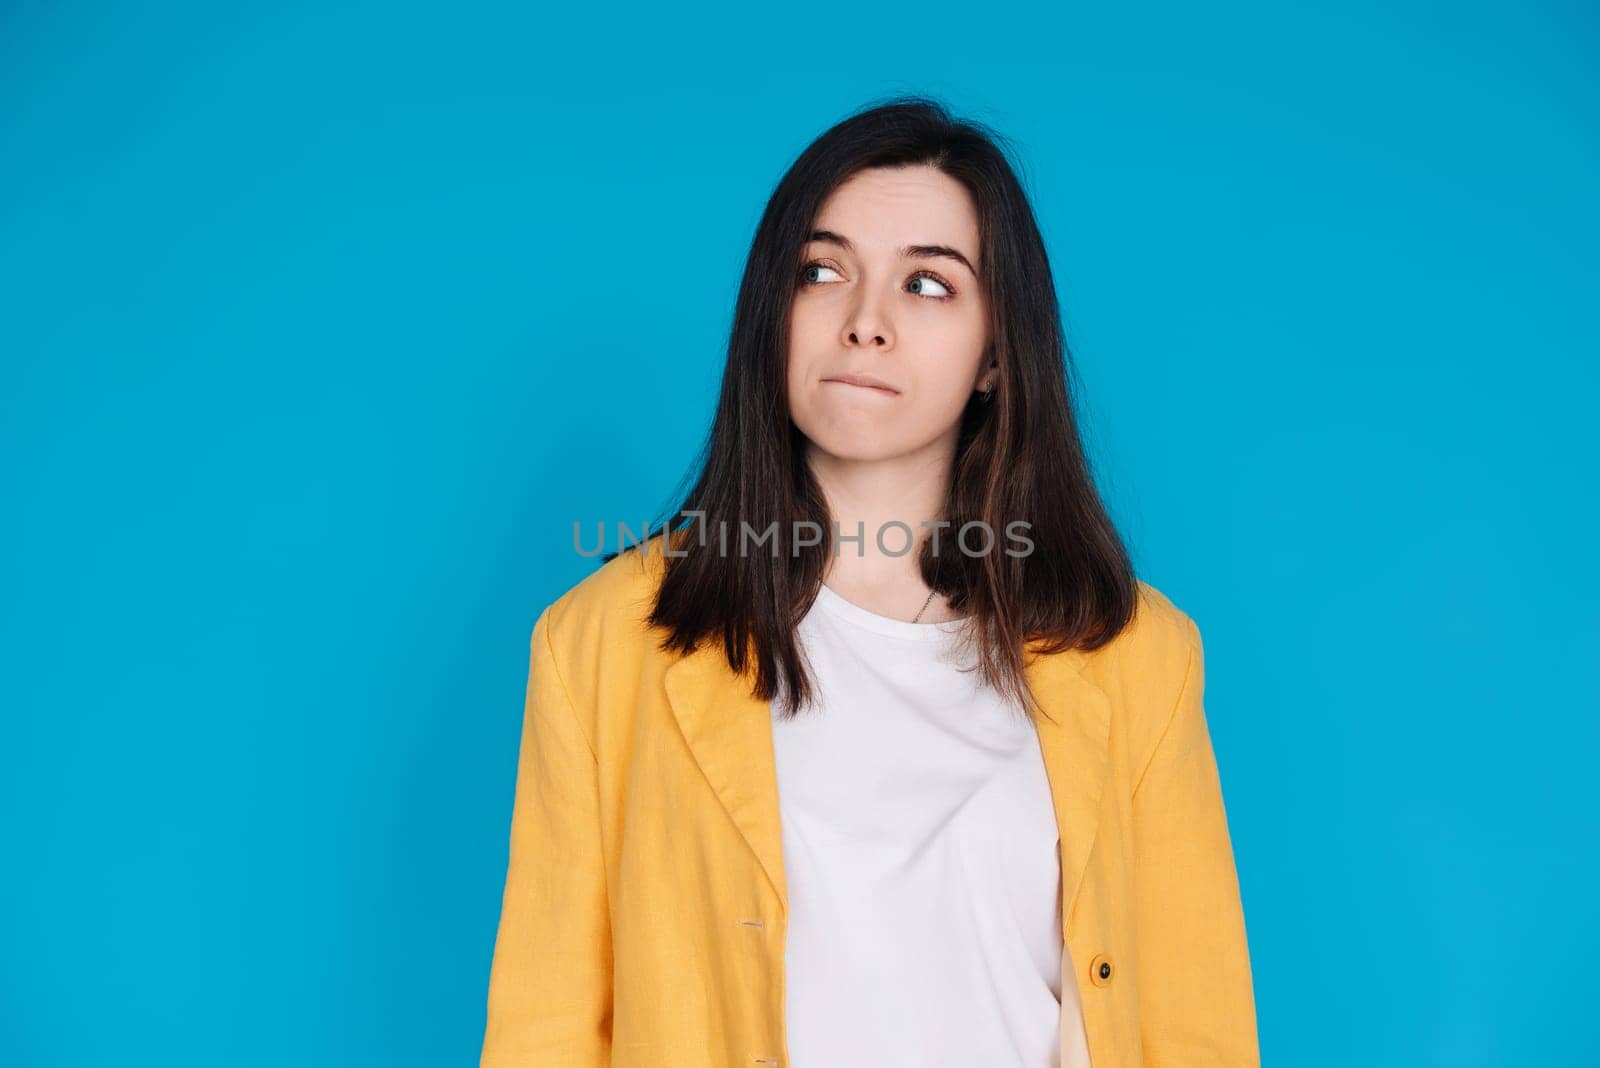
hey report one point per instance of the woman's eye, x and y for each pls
(806, 272)
(941, 290)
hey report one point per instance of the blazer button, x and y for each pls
(1100, 970)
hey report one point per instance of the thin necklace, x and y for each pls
(924, 607)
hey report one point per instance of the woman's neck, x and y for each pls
(880, 508)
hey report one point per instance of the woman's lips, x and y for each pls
(860, 382)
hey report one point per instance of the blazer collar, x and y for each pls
(729, 732)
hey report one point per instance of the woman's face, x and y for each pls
(889, 291)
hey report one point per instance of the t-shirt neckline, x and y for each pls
(836, 605)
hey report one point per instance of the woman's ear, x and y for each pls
(988, 380)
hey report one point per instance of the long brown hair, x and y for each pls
(1018, 455)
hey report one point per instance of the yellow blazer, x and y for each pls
(643, 916)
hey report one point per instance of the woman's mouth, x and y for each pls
(865, 382)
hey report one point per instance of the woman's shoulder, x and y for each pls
(1149, 665)
(609, 608)
(1158, 623)
(1151, 658)
(1159, 641)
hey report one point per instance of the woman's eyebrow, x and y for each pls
(905, 251)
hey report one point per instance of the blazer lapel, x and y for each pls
(729, 731)
(1074, 738)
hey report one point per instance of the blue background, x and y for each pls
(320, 329)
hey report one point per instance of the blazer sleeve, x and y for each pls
(550, 982)
(1196, 1001)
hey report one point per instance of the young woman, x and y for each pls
(875, 751)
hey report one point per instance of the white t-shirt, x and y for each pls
(920, 854)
